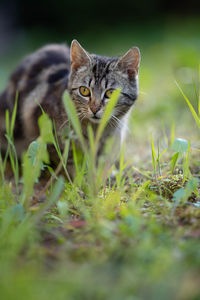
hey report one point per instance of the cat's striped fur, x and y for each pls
(44, 76)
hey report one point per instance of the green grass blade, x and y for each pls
(195, 89)
(172, 134)
(173, 161)
(13, 159)
(195, 116)
(11, 151)
(7, 122)
(153, 153)
(91, 141)
(122, 166)
(75, 158)
(186, 165)
(163, 152)
(107, 113)
(13, 118)
(199, 93)
(73, 117)
(63, 157)
(1, 169)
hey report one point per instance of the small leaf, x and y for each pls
(180, 145)
(62, 208)
(174, 161)
(197, 204)
(46, 128)
(182, 195)
(18, 212)
(33, 150)
(178, 196)
(57, 190)
(192, 185)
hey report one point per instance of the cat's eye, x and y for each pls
(84, 91)
(108, 93)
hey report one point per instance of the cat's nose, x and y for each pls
(94, 108)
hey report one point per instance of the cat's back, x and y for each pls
(41, 77)
(46, 66)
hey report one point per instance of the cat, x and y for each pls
(90, 80)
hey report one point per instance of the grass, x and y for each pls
(134, 235)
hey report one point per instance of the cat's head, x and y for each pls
(93, 78)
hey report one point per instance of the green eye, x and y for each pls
(108, 93)
(84, 91)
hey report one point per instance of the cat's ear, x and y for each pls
(129, 63)
(79, 57)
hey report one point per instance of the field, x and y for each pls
(132, 235)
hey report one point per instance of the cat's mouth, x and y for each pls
(95, 119)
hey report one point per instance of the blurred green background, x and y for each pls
(167, 34)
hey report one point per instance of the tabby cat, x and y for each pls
(90, 80)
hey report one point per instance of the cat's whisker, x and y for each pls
(113, 122)
(67, 121)
(124, 125)
(119, 122)
(82, 118)
(63, 124)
